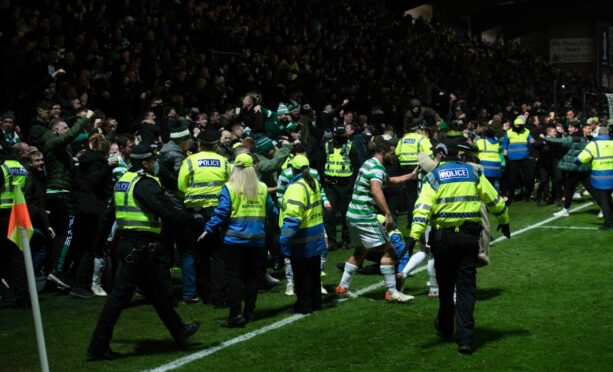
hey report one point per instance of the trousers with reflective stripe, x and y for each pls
(129, 213)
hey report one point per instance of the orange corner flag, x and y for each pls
(20, 217)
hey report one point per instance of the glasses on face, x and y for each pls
(8, 121)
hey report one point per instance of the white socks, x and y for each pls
(432, 272)
(289, 274)
(350, 270)
(322, 262)
(415, 260)
(389, 276)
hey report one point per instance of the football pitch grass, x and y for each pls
(544, 303)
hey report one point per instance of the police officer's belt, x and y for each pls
(339, 180)
(467, 227)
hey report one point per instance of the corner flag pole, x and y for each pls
(38, 323)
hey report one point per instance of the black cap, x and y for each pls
(339, 128)
(209, 136)
(465, 146)
(142, 151)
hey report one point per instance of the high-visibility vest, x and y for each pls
(518, 144)
(247, 222)
(14, 173)
(129, 213)
(338, 162)
(600, 153)
(208, 172)
(310, 234)
(410, 145)
(453, 197)
(489, 157)
(286, 162)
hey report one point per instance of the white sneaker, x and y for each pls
(98, 291)
(433, 293)
(289, 290)
(600, 215)
(322, 274)
(576, 196)
(398, 297)
(323, 290)
(562, 213)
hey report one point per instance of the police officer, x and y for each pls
(488, 151)
(339, 176)
(244, 206)
(411, 144)
(302, 234)
(450, 201)
(200, 180)
(515, 145)
(11, 258)
(139, 204)
(600, 153)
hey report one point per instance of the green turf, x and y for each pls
(543, 303)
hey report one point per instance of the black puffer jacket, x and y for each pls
(94, 183)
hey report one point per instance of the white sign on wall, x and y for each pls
(576, 50)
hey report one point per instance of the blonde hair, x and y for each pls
(244, 181)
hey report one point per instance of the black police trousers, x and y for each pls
(307, 283)
(455, 261)
(339, 196)
(241, 265)
(144, 265)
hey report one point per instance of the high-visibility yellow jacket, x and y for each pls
(129, 213)
(201, 177)
(451, 195)
(410, 145)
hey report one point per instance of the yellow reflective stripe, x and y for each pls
(127, 208)
(308, 239)
(136, 223)
(244, 235)
(206, 184)
(454, 199)
(248, 219)
(425, 207)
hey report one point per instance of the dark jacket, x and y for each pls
(151, 196)
(573, 145)
(36, 187)
(94, 183)
(58, 156)
(171, 156)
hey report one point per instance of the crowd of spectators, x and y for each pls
(84, 80)
(126, 58)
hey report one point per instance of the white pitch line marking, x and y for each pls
(569, 227)
(291, 319)
(521, 231)
(247, 336)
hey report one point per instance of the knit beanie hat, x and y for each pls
(263, 144)
(180, 133)
(282, 109)
(292, 108)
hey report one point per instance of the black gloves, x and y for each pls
(198, 221)
(506, 230)
(411, 245)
